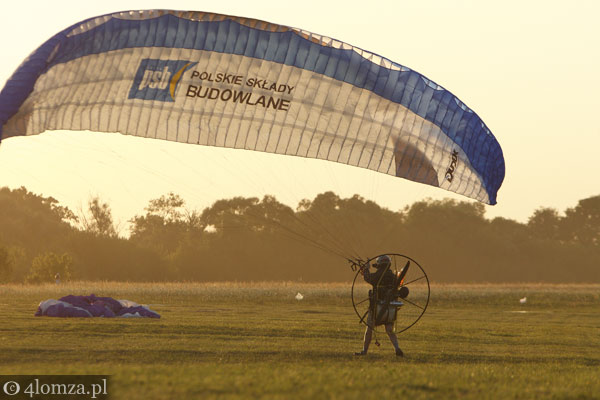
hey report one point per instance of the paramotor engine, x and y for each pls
(403, 304)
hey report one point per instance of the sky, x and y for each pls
(529, 69)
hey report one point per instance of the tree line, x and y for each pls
(252, 239)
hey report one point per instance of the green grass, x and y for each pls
(256, 341)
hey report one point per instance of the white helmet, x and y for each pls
(383, 261)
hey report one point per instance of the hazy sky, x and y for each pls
(530, 69)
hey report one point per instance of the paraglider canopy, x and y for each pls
(226, 81)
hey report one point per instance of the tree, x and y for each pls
(44, 267)
(6, 265)
(582, 223)
(99, 220)
(545, 223)
(232, 214)
(33, 221)
(169, 207)
(352, 226)
(166, 224)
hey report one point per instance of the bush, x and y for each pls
(44, 268)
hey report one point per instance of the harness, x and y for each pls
(383, 299)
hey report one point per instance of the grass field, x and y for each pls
(251, 341)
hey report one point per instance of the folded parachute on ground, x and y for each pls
(92, 306)
(234, 82)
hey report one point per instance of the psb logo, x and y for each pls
(452, 167)
(158, 79)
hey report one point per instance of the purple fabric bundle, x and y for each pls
(92, 306)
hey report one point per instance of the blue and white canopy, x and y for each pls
(218, 80)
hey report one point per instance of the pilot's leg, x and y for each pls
(367, 338)
(389, 328)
